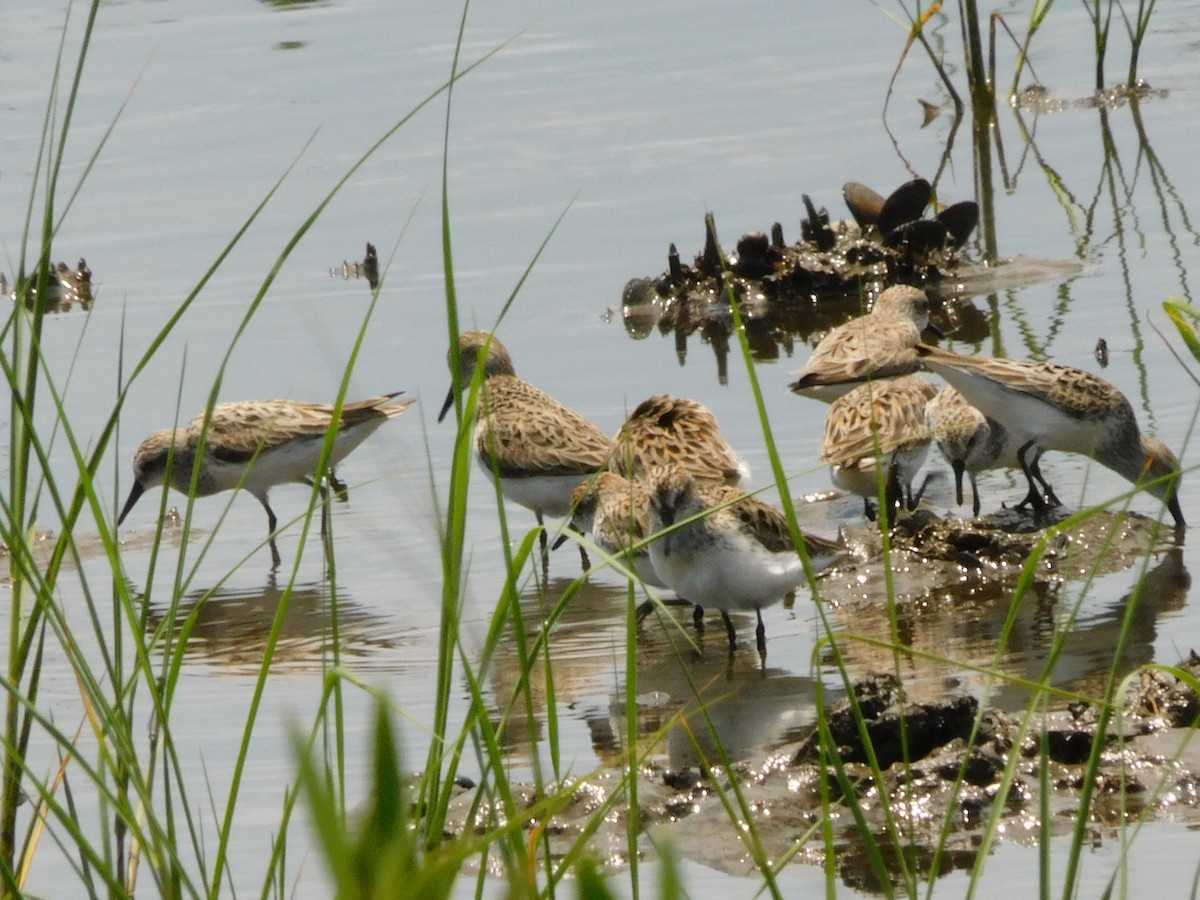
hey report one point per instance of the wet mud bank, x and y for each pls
(944, 771)
(945, 768)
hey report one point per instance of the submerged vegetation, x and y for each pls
(112, 794)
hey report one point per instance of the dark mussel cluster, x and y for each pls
(786, 291)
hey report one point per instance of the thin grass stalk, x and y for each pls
(1042, 686)
(1107, 707)
(433, 797)
(454, 528)
(754, 844)
(1044, 862)
(982, 92)
(23, 393)
(478, 725)
(1101, 23)
(1037, 15)
(777, 470)
(452, 547)
(521, 702)
(1137, 33)
(797, 539)
(629, 785)
(452, 555)
(848, 789)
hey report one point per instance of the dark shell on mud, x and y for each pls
(906, 204)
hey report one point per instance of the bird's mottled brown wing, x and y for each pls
(880, 416)
(524, 431)
(866, 347)
(754, 517)
(237, 431)
(1065, 386)
(666, 430)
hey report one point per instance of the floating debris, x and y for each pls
(929, 111)
(66, 289)
(1036, 98)
(368, 268)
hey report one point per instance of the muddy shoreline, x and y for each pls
(947, 764)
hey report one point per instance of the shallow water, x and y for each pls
(635, 122)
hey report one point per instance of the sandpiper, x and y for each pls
(875, 431)
(665, 429)
(539, 449)
(254, 446)
(725, 549)
(614, 512)
(971, 442)
(1051, 407)
(877, 345)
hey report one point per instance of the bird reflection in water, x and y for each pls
(230, 628)
(954, 626)
(750, 710)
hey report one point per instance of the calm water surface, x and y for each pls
(634, 121)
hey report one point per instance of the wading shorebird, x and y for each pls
(880, 423)
(539, 449)
(731, 552)
(255, 445)
(1051, 407)
(614, 512)
(971, 442)
(664, 429)
(878, 345)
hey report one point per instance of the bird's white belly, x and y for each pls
(1028, 418)
(731, 574)
(549, 495)
(283, 464)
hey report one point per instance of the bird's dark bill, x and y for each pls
(136, 492)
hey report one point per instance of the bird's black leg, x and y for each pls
(914, 500)
(893, 499)
(1033, 498)
(544, 543)
(276, 559)
(868, 509)
(760, 634)
(729, 631)
(698, 618)
(959, 467)
(340, 489)
(1036, 469)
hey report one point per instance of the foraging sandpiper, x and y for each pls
(877, 345)
(971, 442)
(664, 429)
(878, 431)
(726, 549)
(1052, 407)
(539, 449)
(254, 446)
